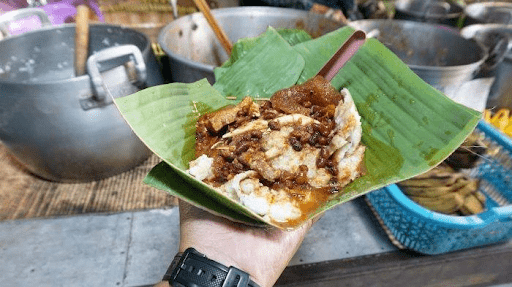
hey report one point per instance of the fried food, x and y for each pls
(445, 190)
(502, 120)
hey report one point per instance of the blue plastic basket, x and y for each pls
(414, 227)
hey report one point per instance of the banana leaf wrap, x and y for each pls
(408, 126)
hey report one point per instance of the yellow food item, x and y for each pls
(444, 190)
(502, 120)
(448, 203)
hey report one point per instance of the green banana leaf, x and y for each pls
(281, 71)
(294, 36)
(408, 126)
(243, 45)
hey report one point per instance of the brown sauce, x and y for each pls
(318, 197)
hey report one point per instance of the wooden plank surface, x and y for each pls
(484, 266)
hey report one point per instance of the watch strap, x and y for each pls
(192, 268)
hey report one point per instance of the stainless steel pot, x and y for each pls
(194, 51)
(500, 94)
(66, 128)
(431, 11)
(437, 54)
(488, 12)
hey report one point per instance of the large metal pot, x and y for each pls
(431, 11)
(437, 54)
(500, 94)
(194, 51)
(488, 12)
(66, 128)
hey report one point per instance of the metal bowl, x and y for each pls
(194, 51)
(436, 53)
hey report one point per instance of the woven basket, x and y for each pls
(414, 227)
(146, 16)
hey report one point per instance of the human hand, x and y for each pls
(261, 252)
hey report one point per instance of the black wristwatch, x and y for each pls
(193, 269)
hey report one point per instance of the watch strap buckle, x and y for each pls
(236, 278)
(192, 268)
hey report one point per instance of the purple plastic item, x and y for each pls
(58, 11)
(4, 7)
(91, 3)
(22, 20)
(28, 19)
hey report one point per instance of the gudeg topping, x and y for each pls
(285, 157)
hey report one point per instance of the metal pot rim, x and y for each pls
(440, 27)
(447, 68)
(249, 10)
(451, 15)
(487, 5)
(476, 31)
(62, 27)
(472, 9)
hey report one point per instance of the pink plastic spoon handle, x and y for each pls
(344, 53)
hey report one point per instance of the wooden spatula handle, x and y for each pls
(81, 39)
(217, 29)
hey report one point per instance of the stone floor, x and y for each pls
(135, 248)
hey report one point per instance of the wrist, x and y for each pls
(261, 274)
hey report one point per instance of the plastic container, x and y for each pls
(414, 227)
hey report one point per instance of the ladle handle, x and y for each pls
(81, 39)
(217, 29)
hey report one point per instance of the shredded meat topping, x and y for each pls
(241, 149)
